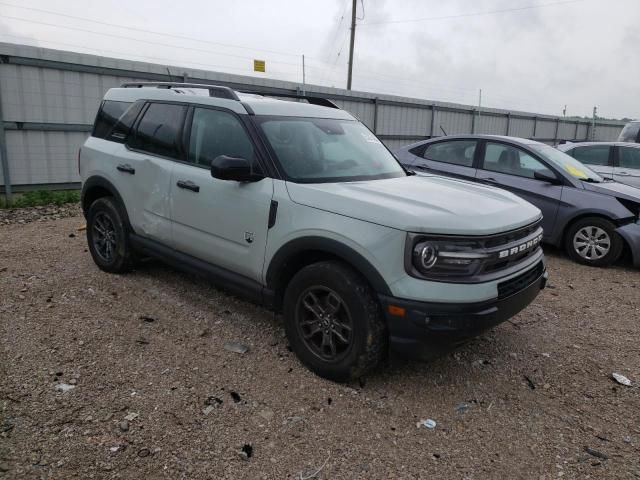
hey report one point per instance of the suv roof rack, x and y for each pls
(313, 100)
(214, 90)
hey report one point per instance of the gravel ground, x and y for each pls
(156, 395)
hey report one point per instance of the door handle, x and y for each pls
(188, 185)
(126, 168)
(626, 174)
(490, 180)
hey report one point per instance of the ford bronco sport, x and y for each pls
(301, 208)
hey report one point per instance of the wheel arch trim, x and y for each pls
(97, 181)
(329, 246)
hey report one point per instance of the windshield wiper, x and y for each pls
(591, 180)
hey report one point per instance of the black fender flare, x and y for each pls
(329, 246)
(103, 183)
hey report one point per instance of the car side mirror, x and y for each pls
(237, 169)
(546, 177)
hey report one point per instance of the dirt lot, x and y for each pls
(532, 398)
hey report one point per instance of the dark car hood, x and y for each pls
(615, 189)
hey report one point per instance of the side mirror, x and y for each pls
(545, 177)
(233, 168)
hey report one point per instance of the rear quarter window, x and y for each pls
(109, 113)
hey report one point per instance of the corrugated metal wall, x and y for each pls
(49, 98)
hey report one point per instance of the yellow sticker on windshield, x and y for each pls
(576, 172)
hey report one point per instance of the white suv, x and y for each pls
(301, 208)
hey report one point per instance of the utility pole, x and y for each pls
(564, 111)
(479, 107)
(353, 39)
(593, 124)
(303, 78)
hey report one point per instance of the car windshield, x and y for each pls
(567, 163)
(320, 150)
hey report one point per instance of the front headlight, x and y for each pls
(443, 258)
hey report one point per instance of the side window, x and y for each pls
(109, 113)
(629, 157)
(503, 158)
(457, 152)
(595, 155)
(122, 127)
(159, 130)
(215, 133)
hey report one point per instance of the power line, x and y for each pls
(154, 32)
(474, 14)
(144, 57)
(150, 42)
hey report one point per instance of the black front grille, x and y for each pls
(522, 281)
(512, 236)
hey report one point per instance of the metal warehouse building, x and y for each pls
(49, 98)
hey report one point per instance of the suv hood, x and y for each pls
(421, 203)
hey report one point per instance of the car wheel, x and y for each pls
(334, 322)
(107, 237)
(593, 241)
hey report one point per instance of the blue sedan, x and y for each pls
(593, 218)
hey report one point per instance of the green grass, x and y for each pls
(38, 198)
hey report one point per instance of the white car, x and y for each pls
(302, 209)
(619, 161)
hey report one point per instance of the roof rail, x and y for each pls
(313, 100)
(214, 90)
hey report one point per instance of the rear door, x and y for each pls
(153, 147)
(627, 166)
(509, 167)
(454, 158)
(598, 158)
(219, 221)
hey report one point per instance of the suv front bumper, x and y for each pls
(428, 328)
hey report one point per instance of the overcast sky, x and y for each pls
(576, 53)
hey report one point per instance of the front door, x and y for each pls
(221, 222)
(627, 166)
(598, 158)
(513, 169)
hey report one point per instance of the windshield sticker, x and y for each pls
(576, 172)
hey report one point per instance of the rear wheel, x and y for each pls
(107, 237)
(334, 322)
(593, 241)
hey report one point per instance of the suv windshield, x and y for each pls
(318, 150)
(567, 163)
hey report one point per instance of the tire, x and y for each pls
(326, 298)
(593, 241)
(112, 253)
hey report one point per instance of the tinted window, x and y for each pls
(159, 130)
(629, 157)
(630, 132)
(503, 158)
(458, 152)
(596, 155)
(122, 127)
(215, 133)
(107, 117)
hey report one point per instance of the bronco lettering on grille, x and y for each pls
(520, 248)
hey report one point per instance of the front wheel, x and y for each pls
(334, 322)
(593, 241)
